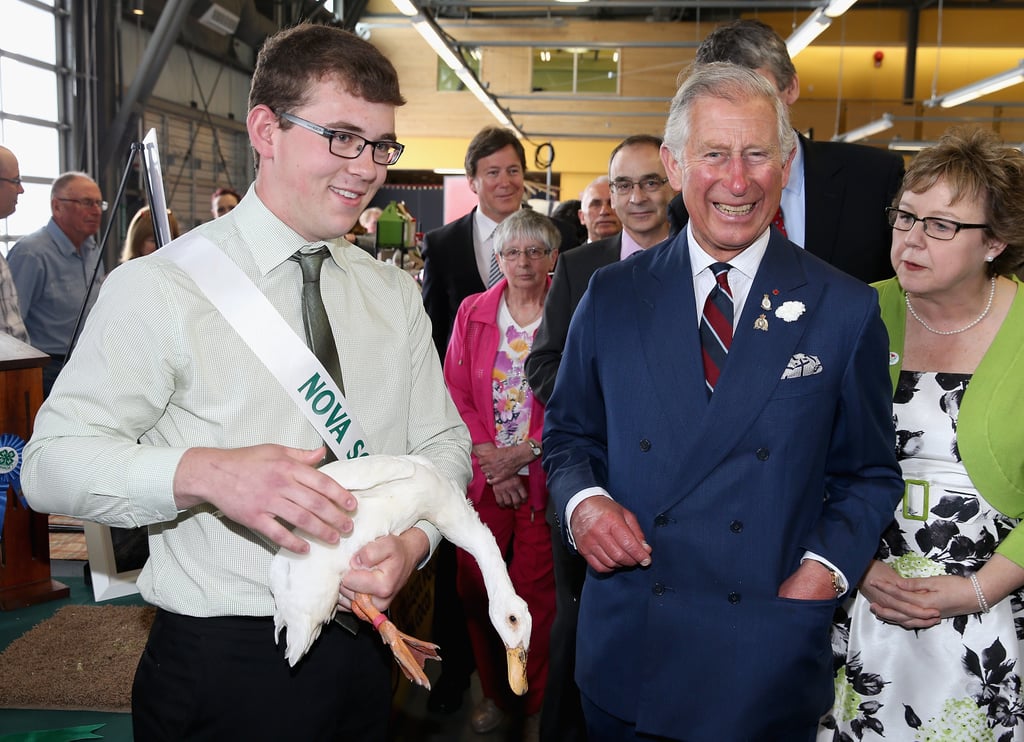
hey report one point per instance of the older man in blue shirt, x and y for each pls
(53, 268)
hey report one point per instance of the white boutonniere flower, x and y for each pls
(790, 311)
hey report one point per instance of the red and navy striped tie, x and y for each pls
(716, 326)
(779, 222)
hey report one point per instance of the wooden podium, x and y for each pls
(25, 548)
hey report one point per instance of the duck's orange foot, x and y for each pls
(410, 653)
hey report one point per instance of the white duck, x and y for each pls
(394, 492)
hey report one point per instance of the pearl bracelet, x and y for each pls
(982, 603)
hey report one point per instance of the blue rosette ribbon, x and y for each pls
(11, 447)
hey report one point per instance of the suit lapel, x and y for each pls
(667, 328)
(466, 265)
(605, 252)
(753, 369)
(582, 262)
(758, 356)
(610, 252)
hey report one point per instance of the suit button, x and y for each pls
(762, 454)
(658, 589)
(661, 520)
(734, 598)
(645, 445)
(736, 526)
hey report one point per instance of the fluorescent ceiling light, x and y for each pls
(909, 145)
(980, 88)
(837, 7)
(405, 7)
(807, 32)
(863, 132)
(432, 36)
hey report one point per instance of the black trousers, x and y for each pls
(225, 678)
(448, 629)
(561, 719)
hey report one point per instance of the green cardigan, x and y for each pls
(990, 434)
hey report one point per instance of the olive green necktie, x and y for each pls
(319, 336)
(320, 340)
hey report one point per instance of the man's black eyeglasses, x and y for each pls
(16, 181)
(624, 186)
(348, 145)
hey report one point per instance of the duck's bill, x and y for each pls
(516, 657)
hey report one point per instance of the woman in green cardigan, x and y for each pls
(929, 645)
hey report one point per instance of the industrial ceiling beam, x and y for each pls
(491, 5)
(168, 28)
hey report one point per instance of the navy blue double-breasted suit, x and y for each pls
(730, 491)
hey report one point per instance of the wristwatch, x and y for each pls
(837, 583)
(535, 448)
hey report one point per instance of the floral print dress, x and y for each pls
(957, 681)
(512, 394)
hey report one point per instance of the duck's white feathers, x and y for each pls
(394, 492)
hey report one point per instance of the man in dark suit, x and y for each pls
(457, 257)
(639, 193)
(725, 487)
(834, 203)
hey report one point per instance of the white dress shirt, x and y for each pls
(483, 243)
(158, 370)
(794, 200)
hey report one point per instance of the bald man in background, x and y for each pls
(10, 188)
(596, 212)
(54, 267)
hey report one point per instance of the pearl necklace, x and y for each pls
(965, 328)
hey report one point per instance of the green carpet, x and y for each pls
(18, 724)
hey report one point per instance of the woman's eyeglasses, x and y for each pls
(937, 227)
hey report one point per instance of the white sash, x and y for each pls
(273, 341)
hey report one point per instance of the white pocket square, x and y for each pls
(802, 364)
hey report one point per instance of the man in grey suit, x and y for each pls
(640, 193)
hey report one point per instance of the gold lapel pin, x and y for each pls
(761, 323)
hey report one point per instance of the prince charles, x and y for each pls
(719, 445)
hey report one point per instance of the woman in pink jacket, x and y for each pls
(484, 369)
